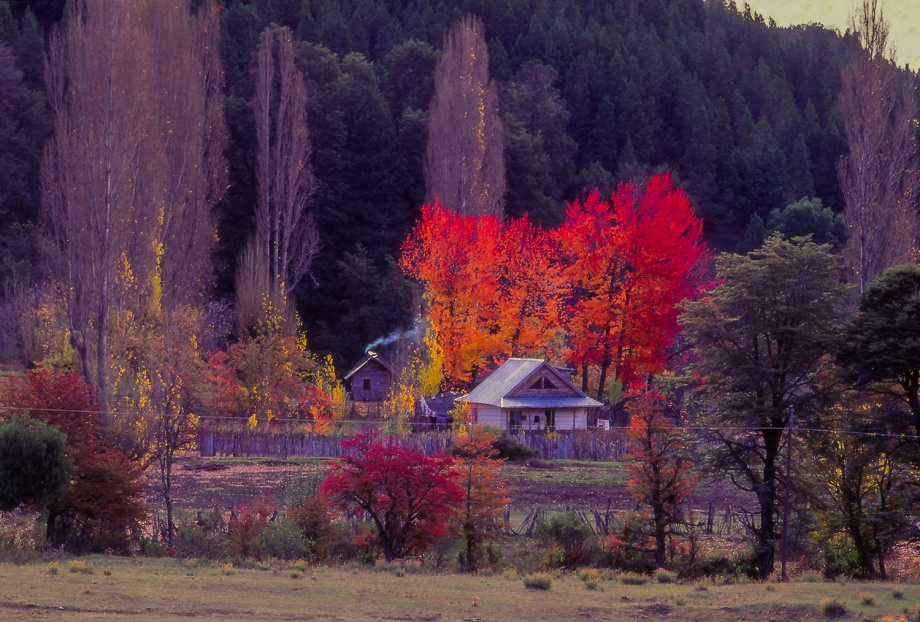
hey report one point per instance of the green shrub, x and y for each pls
(512, 450)
(897, 594)
(663, 576)
(281, 539)
(202, 538)
(538, 581)
(810, 577)
(33, 464)
(568, 540)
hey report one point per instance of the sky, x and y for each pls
(903, 15)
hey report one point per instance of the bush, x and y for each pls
(569, 539)
(313, 516)
(282, 540)
(867, 598)
(810, 577)
(538, 581)
(511, 449)
(832, 608)
(204, 538)
(663, 576)
(631, 578)
(33, 466)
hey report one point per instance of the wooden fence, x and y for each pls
(582, 445)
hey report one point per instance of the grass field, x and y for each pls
(111, 588)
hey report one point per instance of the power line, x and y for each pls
(686, 428)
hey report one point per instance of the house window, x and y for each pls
(515, 421)
(551, 420)
(367, 384)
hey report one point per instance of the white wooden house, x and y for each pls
(529, 394)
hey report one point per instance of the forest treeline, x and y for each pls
(590, 93)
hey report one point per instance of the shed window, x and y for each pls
(551, 420)
(367, 384)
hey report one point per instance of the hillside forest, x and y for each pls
(209, 211)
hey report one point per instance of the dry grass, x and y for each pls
(129, 589)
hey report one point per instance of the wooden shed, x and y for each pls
(370, 379)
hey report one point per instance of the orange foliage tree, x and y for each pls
(485, 493)
(662, 473)
(454, 255)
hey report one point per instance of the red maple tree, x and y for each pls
(409, 497)
(628, 264)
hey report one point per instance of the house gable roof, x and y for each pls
(370, 358)
(499, 388)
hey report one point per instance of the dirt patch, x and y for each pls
(217, 483)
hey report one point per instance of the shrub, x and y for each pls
(897, 594)
(538, 581)
(202, 538)
(79, 566)
(832, 608)
(281, 540)
(589, 574)
(663, 576)
(631, 578)
(509, 448)
(569, 540)
(247, 526)
(867, 598)
(33, 464)
(810, 577)
(312, 514)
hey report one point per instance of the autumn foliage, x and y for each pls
(485, 494)
(409, 497)
(105, 501)
(600, 291)
(661, 473)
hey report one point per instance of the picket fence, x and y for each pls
(597, 445)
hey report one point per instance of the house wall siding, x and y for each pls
(566, 418)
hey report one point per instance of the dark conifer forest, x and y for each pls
(591, 93)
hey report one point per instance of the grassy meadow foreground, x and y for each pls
(113, 588)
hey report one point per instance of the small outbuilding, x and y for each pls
(370, 379)
(529, 394)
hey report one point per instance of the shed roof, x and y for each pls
(371, 356)
(510, 375)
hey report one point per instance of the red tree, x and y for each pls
(105, 501)
(409, 497)
(661, 472)
(628, 264)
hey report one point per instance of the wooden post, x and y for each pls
(786, 504)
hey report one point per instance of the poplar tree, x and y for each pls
(465, 167)
(286, 240)
(880, 177)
